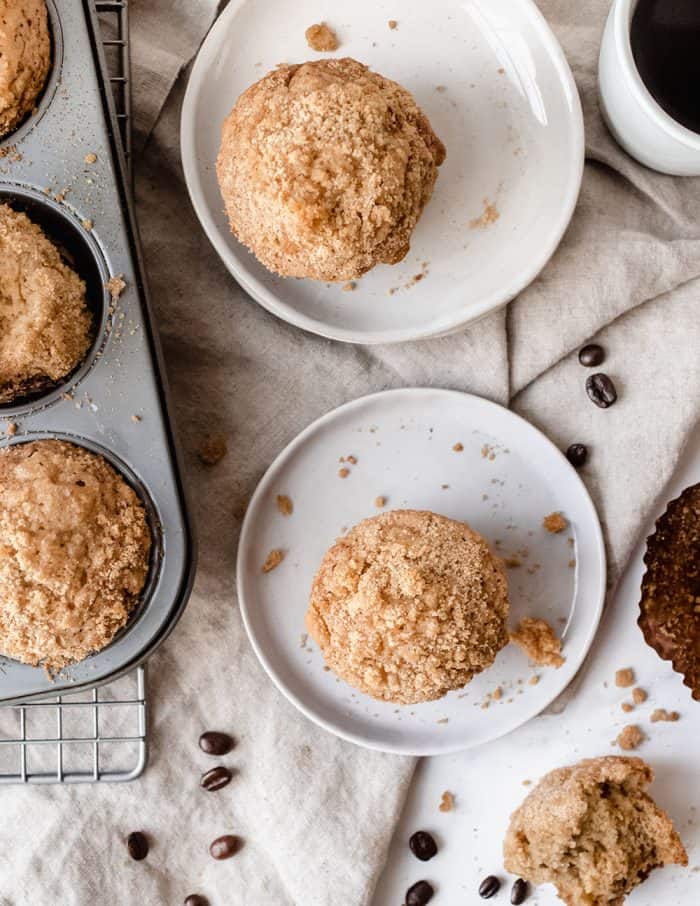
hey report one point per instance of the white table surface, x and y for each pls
(488, 782)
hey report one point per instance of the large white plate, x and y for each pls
(509, 115)
(403, 442)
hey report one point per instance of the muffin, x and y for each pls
(670, 604)
(74, 552)
(325, 168)
(25, 59)
(45, 325)
(409, 605)
(592, 830)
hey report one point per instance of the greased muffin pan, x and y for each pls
(64, 168)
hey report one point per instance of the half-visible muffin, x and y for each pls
(74, 552)
(593, 831)
(25, 59)
(45, 324)
(670, 604)
(409, 605)
(325, 168)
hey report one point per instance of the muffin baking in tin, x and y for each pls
(63, 169)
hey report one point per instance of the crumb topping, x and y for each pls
(321, 38)
(273, 560)
(554, 523)
(539, 642)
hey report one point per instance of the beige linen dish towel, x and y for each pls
(317, 814)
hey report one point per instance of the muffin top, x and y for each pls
(74, 552)
(45, 325)
(409, 605)
(592, 830)
(25, 59)
(325, 169)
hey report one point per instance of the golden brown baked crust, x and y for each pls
(45, 326)
(74, 552)
(25, 59)
(409, 605)
(325, 169)
(592, 831)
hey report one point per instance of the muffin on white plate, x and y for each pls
(325, 168)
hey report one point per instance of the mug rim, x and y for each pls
(623, 18)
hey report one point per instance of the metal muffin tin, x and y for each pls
(115, 402)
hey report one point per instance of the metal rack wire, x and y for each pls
(99, 735)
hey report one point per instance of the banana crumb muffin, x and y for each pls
(409, 605)
(74, 552)
(25, 59)
(325, 168)
(592, 830)
(45, 325)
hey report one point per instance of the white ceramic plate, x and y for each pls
(506, 479)
(498, 91)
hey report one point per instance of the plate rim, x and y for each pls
(246, 530)
(274, 303)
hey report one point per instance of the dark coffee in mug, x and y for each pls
(665, 39)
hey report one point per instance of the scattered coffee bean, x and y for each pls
(423, 846)
(420, 894)
(601, 390)
(196, 899)
(225, 847)
(137, 844)
(518, 893)
(489, 887)
(577, 454)
(214, 743)
(591, 355)
(216, 779)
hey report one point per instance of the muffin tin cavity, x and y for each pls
(80, 252)
(52, 81)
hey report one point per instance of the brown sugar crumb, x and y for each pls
(11, 429)
(497, 694)
(135, 418)
(441, 88)
(321, 38)
(447, 802)
(512, 562)
(285, 505)
(212, 449)
(639, 696)
(274, 558)
(116, 286)
(534, 680)
(539, 642)
(488, 217)
(572, 564)
(630, 737)
(352, 460)
(627, 707)
(393, 24)
(554, 523)
(90, 158)
(379, 502)
(458, 448)
(349, 287)
(624, 678)
(87, 224)
(343, 473)
(662, 714)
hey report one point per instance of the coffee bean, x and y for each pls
(601, 390)
(214, 743)
(196, 899)
(225, 847)
(216, 779)
(577, 454)
(423, 845)
(518, 893)
(137, 845)
(591, 355)
(489, 887)
(420, 894)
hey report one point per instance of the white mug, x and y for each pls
(639, 124)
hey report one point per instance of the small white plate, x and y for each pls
(504, 481)
(498, 91)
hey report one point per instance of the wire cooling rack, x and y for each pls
(99, 735)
